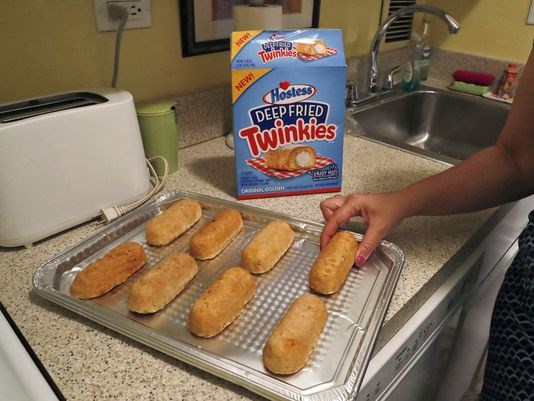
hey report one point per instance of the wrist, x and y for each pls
(407, 203)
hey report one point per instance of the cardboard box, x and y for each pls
(288, 90)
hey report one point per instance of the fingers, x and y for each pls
(328, 208)
(341, 215)
(367, 246)
(330, 205)
(380, 223)
(381, 213)
(338, 210)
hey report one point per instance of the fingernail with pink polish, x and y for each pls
(360, 261)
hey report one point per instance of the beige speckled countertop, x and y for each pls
(89, 362)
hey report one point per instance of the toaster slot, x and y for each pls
(35, 107)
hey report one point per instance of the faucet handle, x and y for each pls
(351, 93)
(390, 77)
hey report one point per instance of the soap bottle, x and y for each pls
(424, 50)
(424, 61)
(411, 70)
(410, 76)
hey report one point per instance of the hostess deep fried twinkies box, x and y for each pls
(288, 91)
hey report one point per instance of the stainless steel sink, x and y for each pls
(439, 124)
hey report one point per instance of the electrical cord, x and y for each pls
(114, 212)
(111, 213)
(117, 13)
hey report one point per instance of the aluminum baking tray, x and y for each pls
(336, 367)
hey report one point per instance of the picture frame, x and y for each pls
(206, 25)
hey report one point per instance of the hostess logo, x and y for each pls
(276, 37)
(286, 93)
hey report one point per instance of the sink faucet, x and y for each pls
(452, 24)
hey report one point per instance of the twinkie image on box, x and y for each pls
(288, 91)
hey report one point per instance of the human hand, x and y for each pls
(381, 212)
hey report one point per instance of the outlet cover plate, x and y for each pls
(139, 15)
(530, 17)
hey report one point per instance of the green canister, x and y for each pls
(157, 121)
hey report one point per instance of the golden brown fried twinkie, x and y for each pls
(216, 235)
(173, 222)
(311, 47)
(267, 247)
(222, 302)
(333, 264)
(112, 269)
(162, 284)
(291, 343)
(291, 158)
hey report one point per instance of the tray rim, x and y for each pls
(187, 353)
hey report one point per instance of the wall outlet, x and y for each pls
(138, 14)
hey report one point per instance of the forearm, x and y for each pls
(487, 179)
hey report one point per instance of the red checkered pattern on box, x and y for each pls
(305, 57)
(259, 164)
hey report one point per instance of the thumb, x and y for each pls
(370, 241)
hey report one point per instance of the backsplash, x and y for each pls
(207, 114)
(203, 115)
(444, 63)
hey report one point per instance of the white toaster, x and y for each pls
(65, 157)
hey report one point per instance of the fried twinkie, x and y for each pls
(216, 235)
(291, 158)
(162, 284)
(267, 247)
(311, 47)
(222, 302)
(112, 269)
(333, 264)
(173, 222)
(291, 343)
